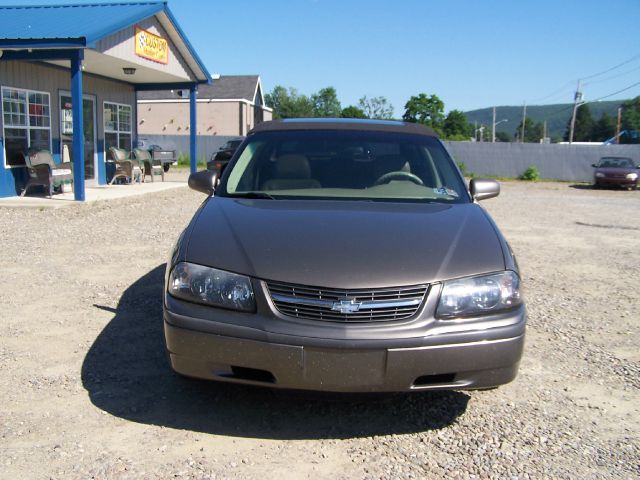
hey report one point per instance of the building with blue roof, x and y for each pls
(69, 75)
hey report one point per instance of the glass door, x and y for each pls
(66, 132)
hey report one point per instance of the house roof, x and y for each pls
(231, 87)
(82, 25)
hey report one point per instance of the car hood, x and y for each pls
(344, 244)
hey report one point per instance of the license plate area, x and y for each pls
(343, 368)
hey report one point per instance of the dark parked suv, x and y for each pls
(344, 255)
(220, 159)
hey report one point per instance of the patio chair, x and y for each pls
(150, 165)
(126, 167)
(45, 172)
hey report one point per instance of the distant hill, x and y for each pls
(556, 115)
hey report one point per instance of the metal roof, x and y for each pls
(90, 22)
(226, 87)
(82, 25)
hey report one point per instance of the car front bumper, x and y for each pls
(615, 182)
(457, 360)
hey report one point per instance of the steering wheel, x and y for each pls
(399, 175)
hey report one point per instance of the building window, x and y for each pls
(117, 126)
(27, 123)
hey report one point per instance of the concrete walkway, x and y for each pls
(174, 179)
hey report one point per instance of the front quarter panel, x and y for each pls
(179, 251)
(510, 262)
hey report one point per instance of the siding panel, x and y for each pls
(121, 45)
(51, 79)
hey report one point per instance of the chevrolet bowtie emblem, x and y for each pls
(346, 306)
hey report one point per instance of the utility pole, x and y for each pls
(475, 130)
(619, 125)
(524, 118)
(493, 127)
(577, 101)
(544, 131)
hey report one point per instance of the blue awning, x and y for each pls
(81, 26)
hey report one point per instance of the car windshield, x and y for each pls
(345, 164)
(615, 162)
(231, 144)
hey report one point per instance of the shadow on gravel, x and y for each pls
(127, 375)
(588, 186)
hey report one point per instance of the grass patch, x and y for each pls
(184, 161)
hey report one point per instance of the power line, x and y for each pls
(612, 68)
(569, 107)
(612, 77)
(562, 89)
(615, 93)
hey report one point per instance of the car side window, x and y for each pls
(241, 173)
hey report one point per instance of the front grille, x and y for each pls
(340, 305)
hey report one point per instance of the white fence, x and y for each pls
(554, 161)
(558, 162)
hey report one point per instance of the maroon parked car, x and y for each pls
(616, 171)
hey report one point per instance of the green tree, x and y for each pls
(289, 103)
(456, 125)
(326, 103)
(503, 137)
(583, 128)
(630, 120)
(276, 100)
(424, 109)
(533, 131)
(352, 112)
(376, 107)
(604, 129)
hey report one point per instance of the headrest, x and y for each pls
(141, 154)
(36, 156)
(292, 165)
(393, 163)
(118, 153)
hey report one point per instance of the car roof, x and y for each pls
(343, 124)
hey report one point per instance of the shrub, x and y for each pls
(531, 174)
(184, 161)
(463, 169)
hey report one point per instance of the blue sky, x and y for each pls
(471, 54)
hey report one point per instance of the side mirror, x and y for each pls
(204, 181)
(483, 188)
(594, 165)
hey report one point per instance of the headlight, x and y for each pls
(632, 176)
(211, 286)
(479, 295)
(599, 174)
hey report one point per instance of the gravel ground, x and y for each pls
(85, 391)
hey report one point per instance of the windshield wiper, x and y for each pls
(251, 195)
